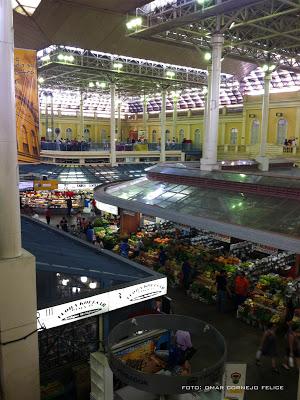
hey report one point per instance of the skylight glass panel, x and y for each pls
(25, 6)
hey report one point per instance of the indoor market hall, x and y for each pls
(149, 200)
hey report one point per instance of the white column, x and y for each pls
(19, 378)
(145, 117)
(47, 136)
(223, 132)
(243, 138)
(297, 126)
(119, 139)
(163, 126)
(174, 122)
(10, 237)
(81, 122)
(210, 161)
(265, 115)
(206, 115)
(112, 124)
(262, 159)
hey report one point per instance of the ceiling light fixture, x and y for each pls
(118, 65)
(170, 74)
(207, 56)
(134, 23)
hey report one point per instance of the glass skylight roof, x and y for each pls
(25, 6)
(253, 211)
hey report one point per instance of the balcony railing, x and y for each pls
(143, 147)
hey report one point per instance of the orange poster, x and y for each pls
(27, 107)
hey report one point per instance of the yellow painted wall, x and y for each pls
(286, 103)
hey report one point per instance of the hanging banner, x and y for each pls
(27, 107)
(45, 185)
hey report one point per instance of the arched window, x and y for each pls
(181, 135)
(69, 133)
(25, 140)
(281, 131)
(154, 136)
(234, 136)
(103, 135)
(255, 131)
(86, 134)
(197, 138)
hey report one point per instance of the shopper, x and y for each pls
(292, 349)
(157, 306)
(69, 206)
(124, 248)
(222, 290)
(289, 313)
(186, 270)
(48, 215)
(184, 342)
(268, 347)
(241, 287)
(138, 247)
(162, 257)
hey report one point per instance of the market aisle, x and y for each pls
(242, 341)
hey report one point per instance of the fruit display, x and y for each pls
(230, 260)
(267, 301)
(207, 257)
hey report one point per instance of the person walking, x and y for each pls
(292, 349)
(222, 290)
(268, 347)
(186, 270)
(69, 206)
(48, 215)
(241, 287)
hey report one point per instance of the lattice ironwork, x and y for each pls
(254, 30)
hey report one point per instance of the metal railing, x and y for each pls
(120, 146)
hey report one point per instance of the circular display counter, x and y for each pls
(160, 383)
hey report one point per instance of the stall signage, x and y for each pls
(239, 245)
(73, 311)
(265, 249)
(77, 186)
(46, 185)
(99, 304)
(107, 208)
(235, 378)
(26, 185)
(137, 293)
(220, 237)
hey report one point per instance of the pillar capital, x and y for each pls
(217, 39)
(268, 76)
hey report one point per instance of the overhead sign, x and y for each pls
(220, 237)
(137, 293)
(77, 186)
(99, 304)
(26, 185)
(107, 208)
(46, 185)
(73, 311)
(265, 249)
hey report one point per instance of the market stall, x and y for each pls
(165, 247)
